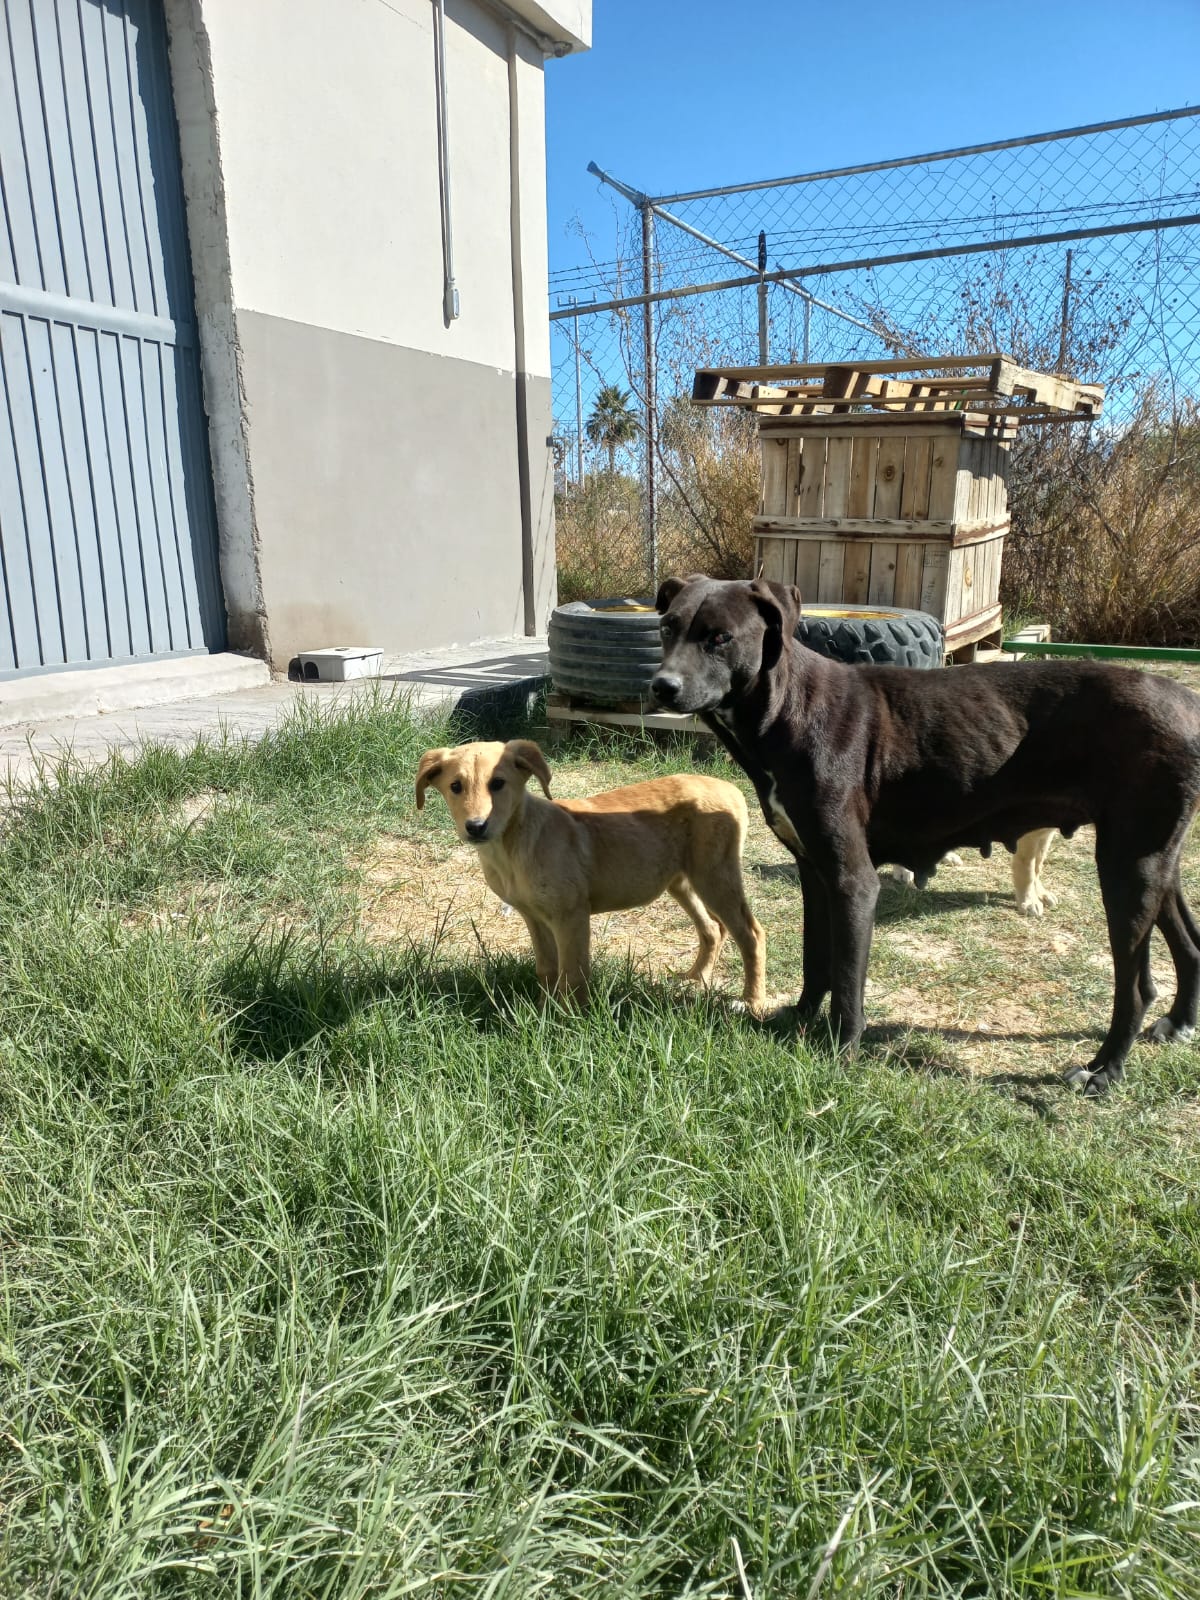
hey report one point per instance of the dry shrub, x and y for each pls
(600, 535)
(1105, 542)
(708, 494)
(710, 473)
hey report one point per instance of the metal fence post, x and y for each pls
(651, 403)
(1065, 326)
(578, 402)
(763, 334)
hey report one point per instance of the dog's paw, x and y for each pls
(1092, 1082)
(1031, 904)
(951, 860)
(903, 876)
(1164, 1031)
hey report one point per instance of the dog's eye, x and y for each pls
(715, 641)
(495, 785)
(456, 786)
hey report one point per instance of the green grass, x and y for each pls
(333, 1270)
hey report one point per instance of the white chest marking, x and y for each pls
(781, 823)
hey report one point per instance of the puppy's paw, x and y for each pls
(1031, 904)
(1164, 1031)
(903, 876)
(770, 1006)
(952, 860)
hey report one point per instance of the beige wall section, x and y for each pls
(403, 523)
(379, 469)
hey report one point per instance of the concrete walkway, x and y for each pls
(491, 670)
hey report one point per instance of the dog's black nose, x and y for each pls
(476, 827)
(666, 688)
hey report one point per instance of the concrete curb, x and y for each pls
(93, 691)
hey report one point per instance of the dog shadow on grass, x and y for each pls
(896, 902)
(280, 995)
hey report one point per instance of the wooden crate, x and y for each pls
(905, 515)
(880, 490)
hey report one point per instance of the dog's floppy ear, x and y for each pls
(670, 587)
(779, 607)
(427, 770)
(527, 757)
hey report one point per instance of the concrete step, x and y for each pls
(92, 691)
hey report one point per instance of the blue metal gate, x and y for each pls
(107, 529)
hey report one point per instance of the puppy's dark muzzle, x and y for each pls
(476, 828)
(666, 688)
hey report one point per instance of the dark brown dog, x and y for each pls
(856, 766)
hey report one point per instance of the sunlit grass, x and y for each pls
(336, 1269)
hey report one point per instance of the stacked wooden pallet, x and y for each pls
(885, 483)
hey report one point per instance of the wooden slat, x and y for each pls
(774, 476)
(860, 527)
(914, 492)
(909, 557)
(951, 608)
(811, 483)
(791, 482)
(889, 473)
(933, 578)
(770, 558)
(832, 569)
(996, 376)
(861, 499)
(838, 455)
(976, 626)
(856, 576)
(881, 585)
(870, 528)
(807, 573)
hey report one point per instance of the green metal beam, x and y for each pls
(1101, 652)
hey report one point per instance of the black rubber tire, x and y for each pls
(873, 635)
(603, 651)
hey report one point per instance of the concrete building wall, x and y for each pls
(366, 453)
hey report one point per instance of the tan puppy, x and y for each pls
(1032, 895)
(561, 862)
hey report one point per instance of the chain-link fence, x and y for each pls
(1075, 251)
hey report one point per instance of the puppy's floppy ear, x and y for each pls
(779, 607)
(427, 770)
(527, 757)
(670, 587)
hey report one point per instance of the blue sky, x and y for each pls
(680, 94)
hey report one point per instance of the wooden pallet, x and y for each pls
(993, 391)
(561, 710)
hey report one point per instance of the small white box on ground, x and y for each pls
(336, 664)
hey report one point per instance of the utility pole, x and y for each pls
(650, 401)
(763, 335)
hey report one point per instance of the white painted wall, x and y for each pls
(329, 144)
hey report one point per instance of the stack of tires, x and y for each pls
(603, 652)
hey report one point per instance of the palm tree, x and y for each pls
(613, 421)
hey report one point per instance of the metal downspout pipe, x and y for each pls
(520, 372)
(449, 287)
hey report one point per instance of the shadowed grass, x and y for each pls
(331, 1270)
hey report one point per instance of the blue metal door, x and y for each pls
(107, 529)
